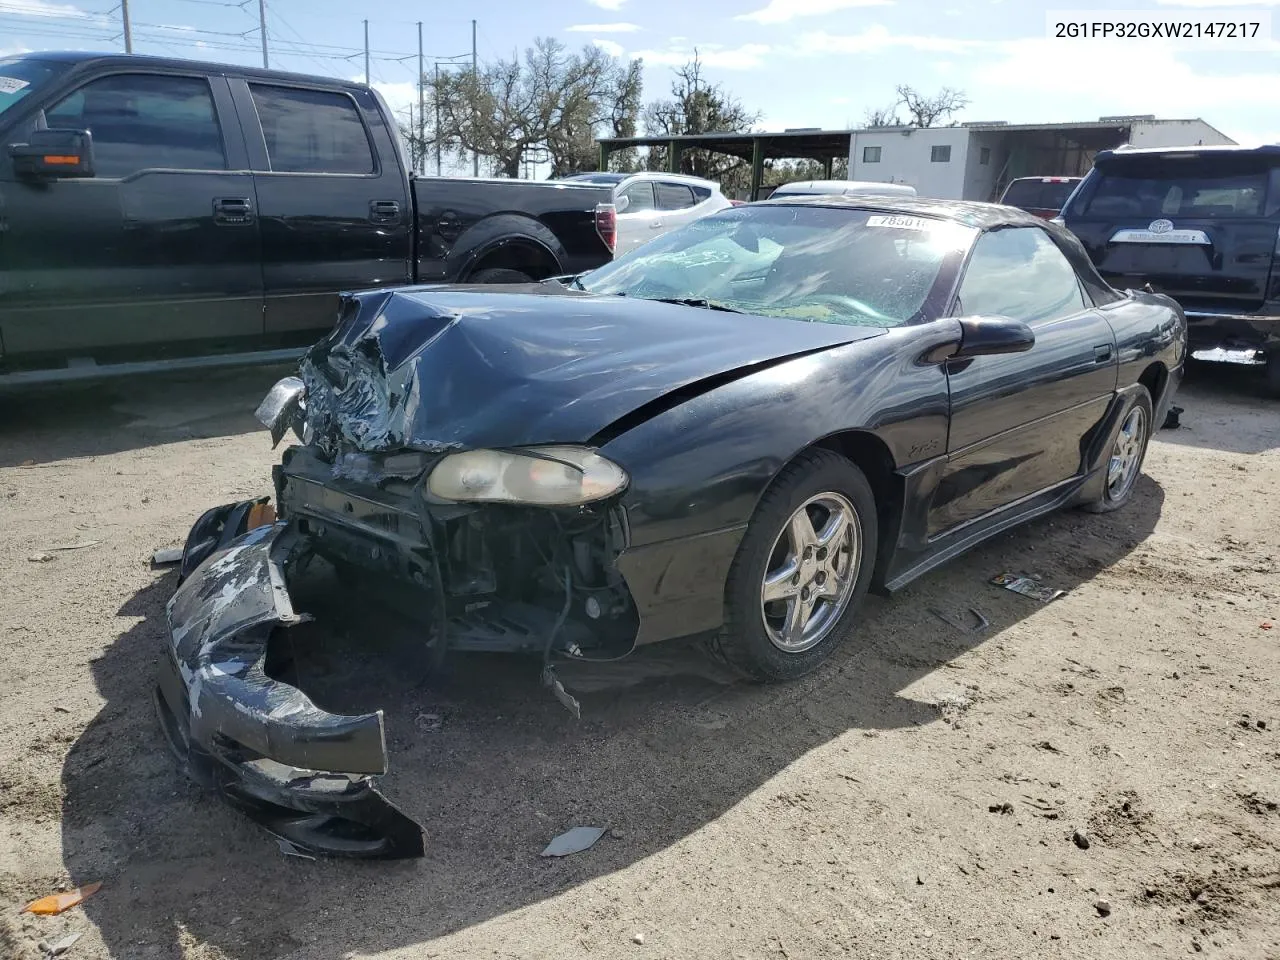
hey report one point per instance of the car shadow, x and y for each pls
(49, 424)
(1225, 407)
(494, 767)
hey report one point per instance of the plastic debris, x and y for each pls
(59, 902)
(63, 945)
(80, 545)
(1027, 587)
(166, 556)
(40, 558)
(980, 622)
(573, 841)
(290, 850)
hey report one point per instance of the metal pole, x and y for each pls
(475, 79)
(366, 52)
(435, 95)
(422, 107)
(262, 29)
(128, 32)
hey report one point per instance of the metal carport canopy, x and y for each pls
(815, 144)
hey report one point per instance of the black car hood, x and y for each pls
(438, 368)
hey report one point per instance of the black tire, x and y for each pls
(1113, 497)
(1273, 374)
(745, 642)
(500, 275)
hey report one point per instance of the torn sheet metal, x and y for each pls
(1027, 587)
(304, 773)
(282, 409)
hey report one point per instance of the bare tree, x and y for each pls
(552, 100)
(882, 117)
(926, 111)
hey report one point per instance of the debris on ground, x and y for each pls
(1172, 419)
(40, 558)
(166, 556)
(638, 939)
(980, 622)
(59, 902)
(79, 545)
(289, 849)
(573, 841)
(1103, 907)
(1027, 587)
(428, 722)
(1080, 839)
(1005, 808)
(62, 946)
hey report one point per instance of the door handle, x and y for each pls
(1102, 353)
(230, 211)
(384, 211)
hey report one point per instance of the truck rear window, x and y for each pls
(1200, 187)
(1037, 194)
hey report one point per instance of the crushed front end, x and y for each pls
(502, 550)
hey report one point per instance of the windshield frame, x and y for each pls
(935, 304)
(56, 70)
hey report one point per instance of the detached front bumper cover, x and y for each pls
(304, 774)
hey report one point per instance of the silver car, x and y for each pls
(650, 204)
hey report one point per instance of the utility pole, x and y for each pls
(422, 107)
(475, 80)
(262, 29)
(128, 33)
(366, 52)
(435, 95)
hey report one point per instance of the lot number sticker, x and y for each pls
(12, 84)
(903, 223)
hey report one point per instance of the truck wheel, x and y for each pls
(1273, 373)
(500, 275)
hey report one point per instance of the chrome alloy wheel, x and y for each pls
(811, 573)
(1122, 468)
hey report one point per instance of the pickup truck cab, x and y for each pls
(159, 213)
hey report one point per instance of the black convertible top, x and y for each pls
(984, 216)
(970, 213)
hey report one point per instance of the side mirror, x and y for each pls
(620, 203)
(54, 155)
(987, 336)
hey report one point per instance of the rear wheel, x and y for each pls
(1128, 450)
(500, 275)
(802, 568)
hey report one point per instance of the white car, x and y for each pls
(843, 188)
(650, 204)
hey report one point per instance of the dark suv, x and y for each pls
(1201, 224)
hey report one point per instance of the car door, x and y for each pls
(334, 203)
(160, 246)
(1018, 421)
(639, 219)
(676, 203)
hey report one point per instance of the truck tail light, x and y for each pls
(607, 224)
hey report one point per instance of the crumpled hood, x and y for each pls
(438, 368)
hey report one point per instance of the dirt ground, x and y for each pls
(915, 798)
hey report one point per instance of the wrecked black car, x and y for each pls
(731, 434)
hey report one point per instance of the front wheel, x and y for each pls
(1128, 451)
(802, 568)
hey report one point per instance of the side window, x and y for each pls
(639, 196)
(701, 194)
(145, 122)
(312, 131)
(871, 154)
(674, 196)
(1020, 273)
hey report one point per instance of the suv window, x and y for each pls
(674, 196)
(639, 196)
(145, 122)
(312, 131)
(1199, 187)
(1020, 273)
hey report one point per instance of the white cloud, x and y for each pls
(712, 55)
(608, 4)
(399, 97)
(41, 8)
(603, 28)
(780, 11)
(612, 48)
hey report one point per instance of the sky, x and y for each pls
(800, 63)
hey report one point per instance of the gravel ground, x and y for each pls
(918, 797)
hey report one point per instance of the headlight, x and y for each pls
(547, 476)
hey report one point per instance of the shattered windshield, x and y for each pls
(21, 76)
(814, 263)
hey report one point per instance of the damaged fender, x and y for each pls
(303, 773)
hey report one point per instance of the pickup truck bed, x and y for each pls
(160, 214)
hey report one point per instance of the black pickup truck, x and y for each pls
(160, 214)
